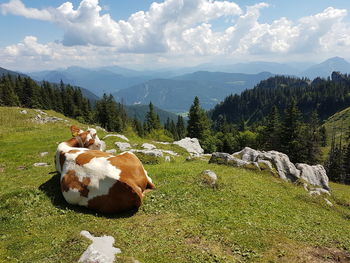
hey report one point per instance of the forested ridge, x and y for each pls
(325, 96)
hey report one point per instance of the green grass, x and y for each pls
(250, 217)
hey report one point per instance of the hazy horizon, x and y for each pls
(151, 35)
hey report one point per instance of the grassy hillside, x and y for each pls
(251, 217)
(339, 122)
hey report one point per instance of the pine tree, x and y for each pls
(272, 132)
(137, 125)
(312, 140)
(291, 135)
(198, 122)
(8, 96)
(323, 136)
(152, 119)
(180, 127)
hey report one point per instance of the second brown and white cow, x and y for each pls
(99, 180)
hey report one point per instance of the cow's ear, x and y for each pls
(74, 130)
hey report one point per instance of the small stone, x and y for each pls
(2, 169)
(328, 202)
(148, 146)
(167, 158)
(155, 153)
(169, 152)
(312, 193)
(40, 164)
(22, 167)
(23, 112)
(112, 151)
(123, 146)
(44, 154)
(209, 177)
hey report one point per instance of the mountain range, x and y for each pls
(174, 88)
(177, 94)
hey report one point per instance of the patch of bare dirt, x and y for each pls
(324, 255)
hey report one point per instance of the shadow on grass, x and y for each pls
(53, 190)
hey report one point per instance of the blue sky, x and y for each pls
(47, 34)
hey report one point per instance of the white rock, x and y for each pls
(40, 164)
(209, 177)
(320, 191)
(148, 146)
(314, 174)
(112, 151)
(116, 135)
(191, 145)
(328, 202)
(155, 153)
(100, 128)
(164, 143)
(285, 168)
(41, 112)
(311, 193)
(123, 146)
(169, 152)
(44, 154)
(167, 158)
(23, 112)
(100, 251)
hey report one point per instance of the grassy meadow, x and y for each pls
(250, 217)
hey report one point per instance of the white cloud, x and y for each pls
(176, 29)
(16, 7)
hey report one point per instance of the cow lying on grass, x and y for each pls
(99, 180)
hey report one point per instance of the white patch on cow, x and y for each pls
(100, 171)
(73, 195)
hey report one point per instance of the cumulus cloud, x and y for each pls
(179, 28)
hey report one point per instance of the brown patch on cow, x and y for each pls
(71, 181)
(132, 171)
(74, 151)
(62, 158)
(121, 197)
(87, 156)
(88, 143)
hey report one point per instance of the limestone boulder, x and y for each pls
(154, 153)
(123, 146)
(314, 174)
(148, 146)
(276, 162)
(280, 161)
(191, 145)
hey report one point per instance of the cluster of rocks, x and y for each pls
(43, 117)
(147, 149)
(277, 163)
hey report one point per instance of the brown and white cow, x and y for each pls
(99, 180)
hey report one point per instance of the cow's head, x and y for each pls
(87, 139)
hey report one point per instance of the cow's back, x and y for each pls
(103, 182)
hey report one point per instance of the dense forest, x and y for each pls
(325, 96)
